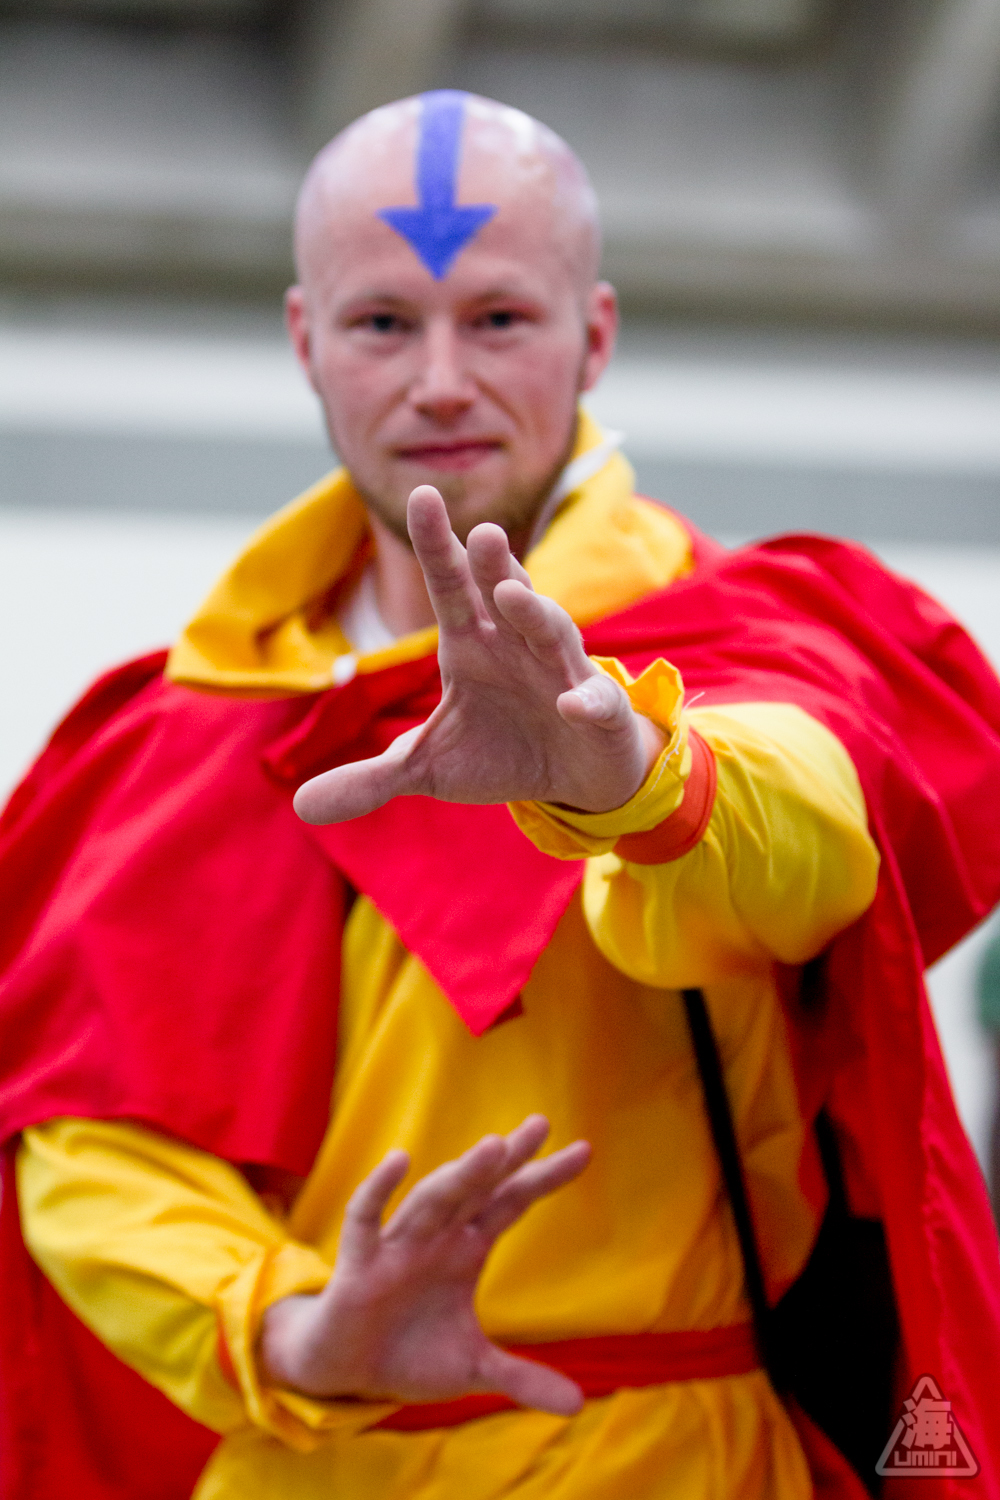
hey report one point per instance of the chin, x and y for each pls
(470, 503)
(474, 510)
(470, 498)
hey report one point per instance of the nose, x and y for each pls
(443, 389)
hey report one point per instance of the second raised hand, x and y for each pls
(524, 714)
(397, 1319)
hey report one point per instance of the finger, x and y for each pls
(520, 1145)
(366, 1205)
(546, 628)
(432, 1205)
(453, 594)
(458, 1190)
(525, 1139)
(351, 791)
(533, 1181)
(492, 562)
(528, 1383)
(598, 700)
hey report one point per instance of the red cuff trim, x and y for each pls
(685, 827)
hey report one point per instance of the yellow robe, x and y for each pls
(159, 1247)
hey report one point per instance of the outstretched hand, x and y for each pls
(524, 714)
(396, 1320)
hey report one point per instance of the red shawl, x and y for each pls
(156, 813)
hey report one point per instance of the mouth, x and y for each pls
(453, 456)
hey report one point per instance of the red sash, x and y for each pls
(600, 1366)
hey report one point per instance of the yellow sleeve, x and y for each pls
(785, 863)
(163, 1250)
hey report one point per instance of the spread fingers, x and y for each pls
(432, 1205)
(458, 1190)
(533, 1181)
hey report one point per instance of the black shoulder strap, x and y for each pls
(831, 1341)
(720, 1119)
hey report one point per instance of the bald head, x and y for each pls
(447, 311)
(503, 157)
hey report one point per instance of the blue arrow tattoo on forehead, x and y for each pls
(438, 228)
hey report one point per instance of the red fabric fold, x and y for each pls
(75, 1423)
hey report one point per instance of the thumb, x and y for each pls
(597, 700)
(528, 1383)
(353, 790)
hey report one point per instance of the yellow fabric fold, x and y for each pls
(300, 1422)
(252, 633)
(785, 863)
(268, 629)
(731, 1440)
(607, 547)
(161, 1249)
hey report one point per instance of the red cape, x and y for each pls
(156, 812)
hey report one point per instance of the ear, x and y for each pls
(297, 323)
(602, 329)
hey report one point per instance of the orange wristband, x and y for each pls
(685, 827)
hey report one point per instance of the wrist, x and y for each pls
(656, 699)
(290, 1353)
(275, 1341)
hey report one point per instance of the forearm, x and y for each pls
(171, 1259)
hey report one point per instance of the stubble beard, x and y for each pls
(515, 509)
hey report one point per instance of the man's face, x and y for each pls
(469, 383)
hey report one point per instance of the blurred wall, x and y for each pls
(802, 211)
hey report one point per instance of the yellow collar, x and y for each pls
(266, 628)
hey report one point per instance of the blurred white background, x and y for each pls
(802, 205)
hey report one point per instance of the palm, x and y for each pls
(524, 713)
(413, 1299)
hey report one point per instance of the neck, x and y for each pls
(400, 590)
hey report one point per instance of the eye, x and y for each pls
(500, 317)
(384, 322)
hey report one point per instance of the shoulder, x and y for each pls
(133, 731)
